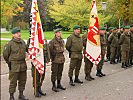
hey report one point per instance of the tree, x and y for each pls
(9, 8)
(121, 9)
(72, 12)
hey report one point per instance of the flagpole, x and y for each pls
(35, 81)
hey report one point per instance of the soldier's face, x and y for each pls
(102, 32)
(121, 29)
(126, 30)
(77, 31)
(17, 35)
(114, 31)
(131, 28)
(58, 34)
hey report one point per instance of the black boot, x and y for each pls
(54, 88)
(87, 77)
(98, 73)
(11, 96)
(59, 86)
(126, 64)
(21, 96)
(114, 62)
(71, 82)
(123, 65)
(77, 80)
(102, 73)
(131, 62)
(37, 93)
(92, 78)
(40, 91)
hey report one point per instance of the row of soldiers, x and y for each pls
(120, 45)
(15, 50)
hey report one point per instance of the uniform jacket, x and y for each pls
(15, 53)
(74, 45)
(125, 42)
(56, 47)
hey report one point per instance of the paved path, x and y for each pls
(117, 85)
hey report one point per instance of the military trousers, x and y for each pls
(119, 53)
(21, 77)
(113, 53)
(108, 52)
(101, 63)
(88, 66)
(39, 78)
(131, 54)
(75, 64)
(125, 56)
(57, 70)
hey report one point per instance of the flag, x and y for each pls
(93, 48)
(35, 50)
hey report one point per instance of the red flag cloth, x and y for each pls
(36, 39)
(93, 48)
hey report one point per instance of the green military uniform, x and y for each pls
(103, 51)
(131, 45)
(40, 78)
(125, 47)
(14, 54)
(119, 47)
(108, 44)
(88, 63)
(57, 57)
(74, 45)
(113, 39)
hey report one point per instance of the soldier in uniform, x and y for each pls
(14, 54)
(88, 63)
(119, 47)
(40, 78)
(131, 44)
(103, 49)
(56, 47)
(125, 46)
(74, 45)
(113, 40)
(108, 44)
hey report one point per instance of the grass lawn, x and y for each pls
(48, 35)
(3, 42)
(25, 35)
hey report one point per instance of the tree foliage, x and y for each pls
(9, 8)
(73, 12)
(121, 9)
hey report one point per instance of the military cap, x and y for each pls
(15, 30)
(76, 27)
(114, 28)
(57, 30)
(127, 27)
(131, 25)
(102, 28)
(110, 28)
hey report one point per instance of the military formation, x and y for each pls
(116, 47)
(120, 46)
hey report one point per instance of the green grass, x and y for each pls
(25, 34)
(3, 42)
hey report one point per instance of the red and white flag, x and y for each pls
(93, 48)
(36, 39)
